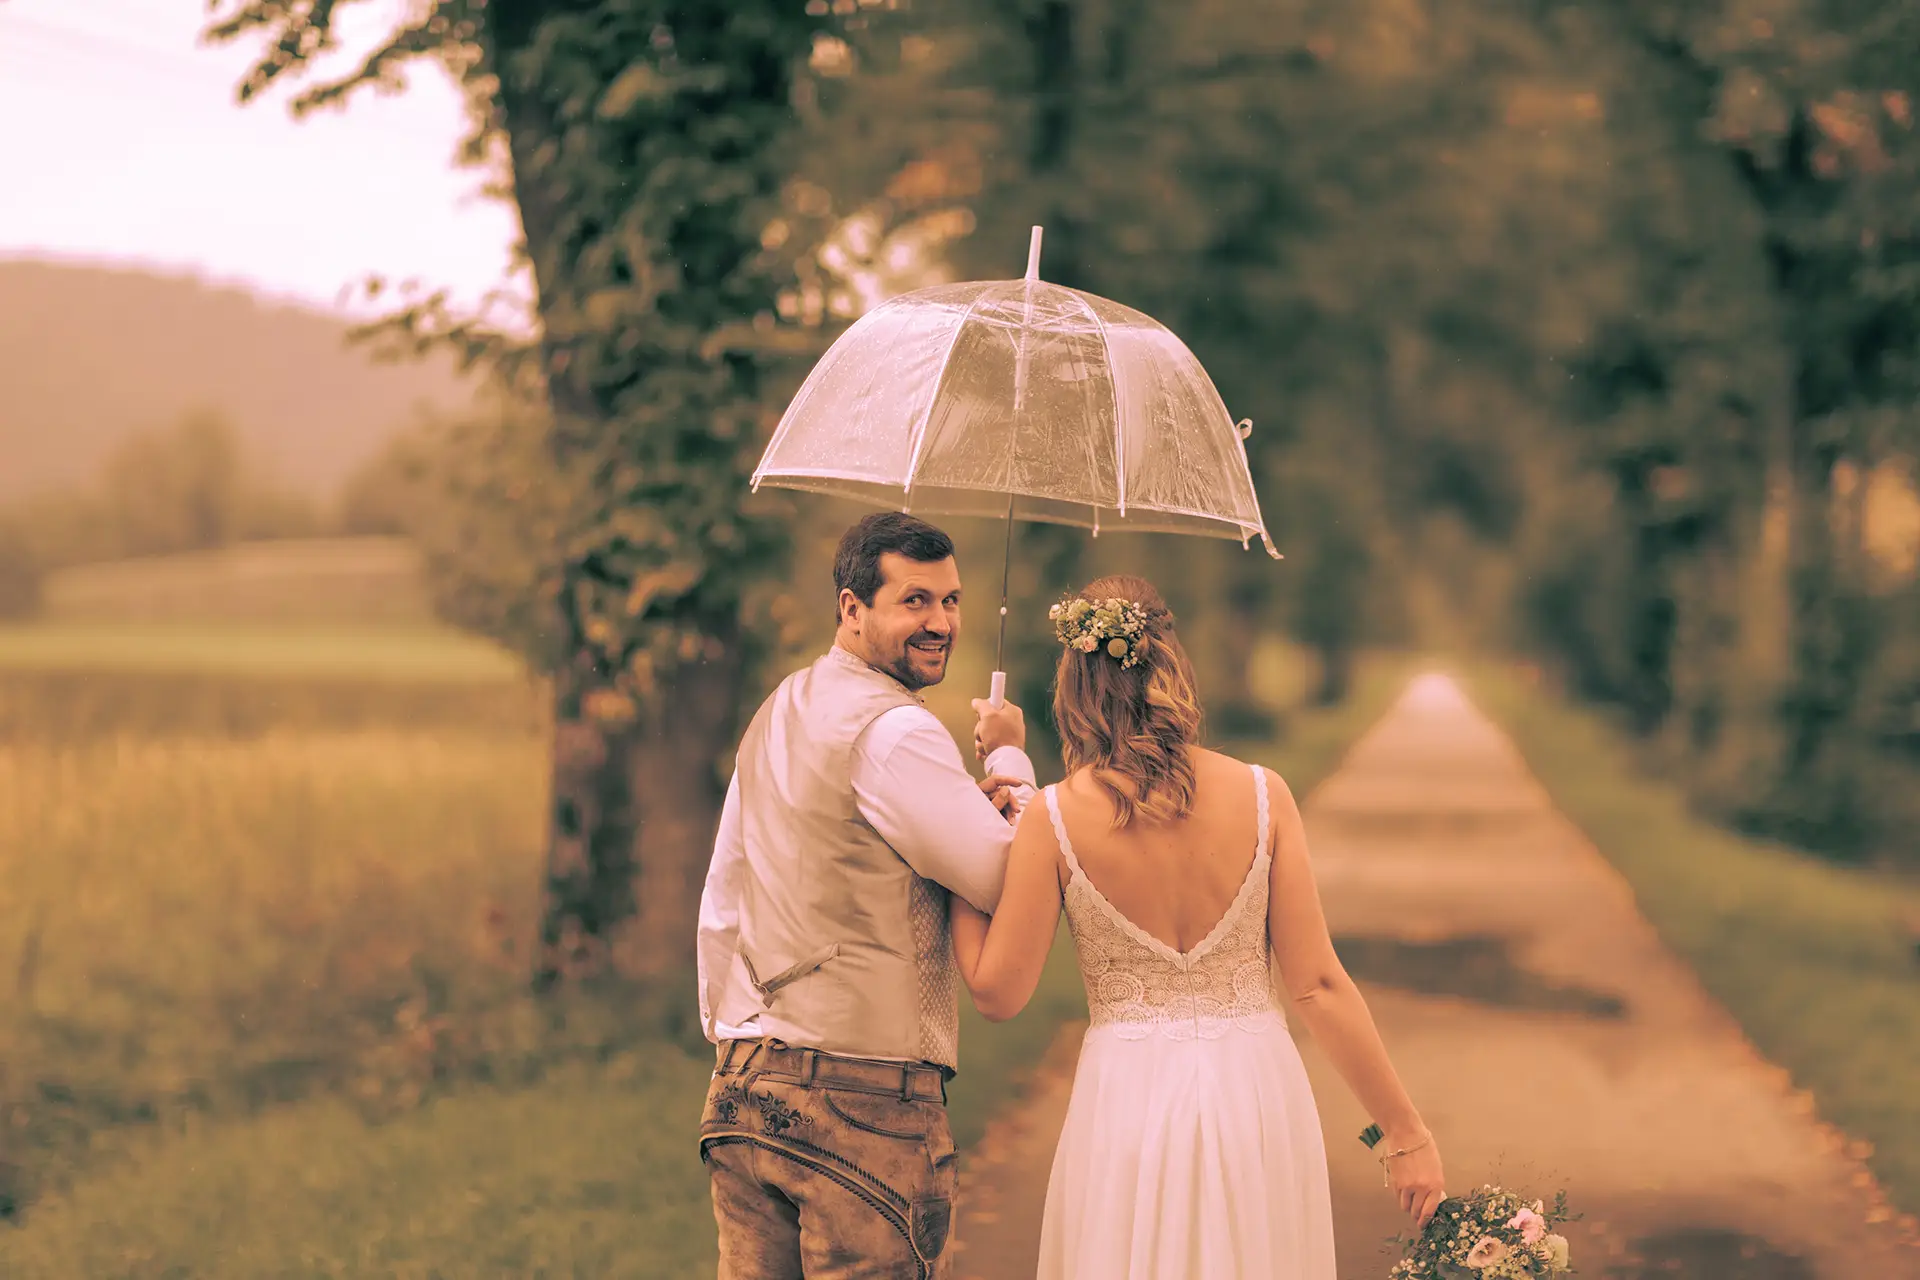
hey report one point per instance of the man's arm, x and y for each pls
(719, 932)
(910, 783)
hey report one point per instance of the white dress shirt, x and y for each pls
(911, 785)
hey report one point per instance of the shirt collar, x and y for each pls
(854, 662)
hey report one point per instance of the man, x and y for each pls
(826, 967)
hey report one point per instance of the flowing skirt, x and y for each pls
(1189, 1158)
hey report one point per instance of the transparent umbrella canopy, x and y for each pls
(1019, 399)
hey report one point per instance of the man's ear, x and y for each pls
(848, 607)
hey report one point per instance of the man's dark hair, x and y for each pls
(856, 565)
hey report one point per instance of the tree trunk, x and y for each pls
(593, 833)
(1336, 676)
(636, 789)
(677, 768)
(1239, 617)
(636, 800)
(1814, 701)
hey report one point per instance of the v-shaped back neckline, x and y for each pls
(1192, 955)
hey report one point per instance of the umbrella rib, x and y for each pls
(1113, 373)
(933, 397)
(787, 419)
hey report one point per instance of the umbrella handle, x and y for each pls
(999, 695)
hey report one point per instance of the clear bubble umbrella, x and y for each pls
(1023, 400)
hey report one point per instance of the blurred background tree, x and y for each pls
(21, 573)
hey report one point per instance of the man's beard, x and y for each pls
(902, 668)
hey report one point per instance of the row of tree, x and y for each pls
(1712, 568)
(184, 487)
(1543, 311)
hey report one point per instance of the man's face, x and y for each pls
(910, 628)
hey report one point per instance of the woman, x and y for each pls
(1191, 1146)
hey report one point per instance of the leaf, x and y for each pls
(671, 581)
(639, 83)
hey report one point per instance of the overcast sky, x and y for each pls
(120, 141)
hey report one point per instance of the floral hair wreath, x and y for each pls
(1112, 624)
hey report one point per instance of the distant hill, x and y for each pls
(91, 354)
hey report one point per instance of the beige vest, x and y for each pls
(842, 947)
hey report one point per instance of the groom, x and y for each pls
(826, 970)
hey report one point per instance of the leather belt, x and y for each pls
(775, 1060)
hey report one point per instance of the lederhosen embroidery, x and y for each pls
(893, 1208)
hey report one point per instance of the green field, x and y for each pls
(1813, 959)
(265, 898)
(275, 650)
(305, 582)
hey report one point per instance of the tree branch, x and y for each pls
(299, 31)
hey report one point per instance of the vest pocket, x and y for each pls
(789, 975)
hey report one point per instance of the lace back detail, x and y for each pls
(1139, 985)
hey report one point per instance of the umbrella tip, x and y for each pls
(1033, 256)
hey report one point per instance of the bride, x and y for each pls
(1191, 1146)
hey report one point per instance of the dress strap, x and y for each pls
(1060, 834)
(1264, 812)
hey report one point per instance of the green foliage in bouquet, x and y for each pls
(1492, 1234)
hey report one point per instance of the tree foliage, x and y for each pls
(1771, 374)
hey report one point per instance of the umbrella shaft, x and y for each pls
(1006, 571)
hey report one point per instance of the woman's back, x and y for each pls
(1202, 967)
(1174, 880)
(1191, 1146)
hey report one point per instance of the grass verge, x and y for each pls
(1811, 958)
(592, 1174)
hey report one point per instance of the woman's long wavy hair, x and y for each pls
(1136, 724)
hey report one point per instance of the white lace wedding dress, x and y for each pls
(1192, 1149)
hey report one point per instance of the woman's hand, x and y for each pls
(1417, 1179)
(999, 789)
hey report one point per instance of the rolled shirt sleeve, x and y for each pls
(911, 784)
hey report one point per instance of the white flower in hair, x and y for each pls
(1112, 624)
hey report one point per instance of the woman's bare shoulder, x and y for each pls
(1220, 764)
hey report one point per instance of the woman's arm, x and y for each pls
(1336, 1013)
(1000, 957)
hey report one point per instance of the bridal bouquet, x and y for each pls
(1492, 1234)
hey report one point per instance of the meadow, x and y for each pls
(265, 899)
(307, 582)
